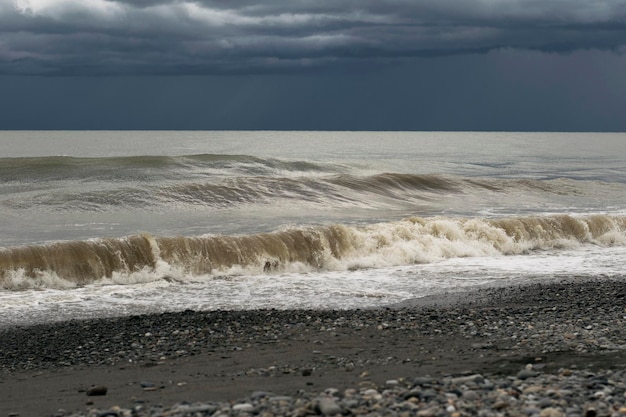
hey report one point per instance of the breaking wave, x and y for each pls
(300, 249)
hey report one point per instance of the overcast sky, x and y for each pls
(313, 64)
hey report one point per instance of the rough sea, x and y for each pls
(96, 224)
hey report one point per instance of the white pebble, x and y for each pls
(245, 407)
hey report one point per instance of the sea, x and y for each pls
(115, 223)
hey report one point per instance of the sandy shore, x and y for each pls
(226, 355)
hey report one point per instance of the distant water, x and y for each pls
(112, 223)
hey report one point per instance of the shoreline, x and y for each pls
(224, 356)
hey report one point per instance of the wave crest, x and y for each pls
(332, 247)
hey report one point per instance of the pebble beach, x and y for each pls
(538, 350)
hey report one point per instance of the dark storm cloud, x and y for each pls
(104, 37)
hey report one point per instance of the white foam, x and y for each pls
(340, 289)
(20, 280)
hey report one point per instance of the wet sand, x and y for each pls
(225, 355)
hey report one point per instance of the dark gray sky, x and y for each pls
(311, 64)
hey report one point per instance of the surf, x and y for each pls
(334, 247)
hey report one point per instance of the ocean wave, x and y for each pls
(327, 190)
(59, 168)
(298, 249)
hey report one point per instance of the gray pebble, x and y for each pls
(328, 406)
(470, 395)
(526, 373)
(422, 381)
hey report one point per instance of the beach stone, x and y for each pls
(452, 396)
(194, 408)
(256, 395)
(551, 412)
(471, 395)
(302, 412)
(530, 411)
(333, 392)
(467, 379)
(414, 393)
(422, 380)
(526, 373)
(96, 390)
(281, 398)
(350, 392)
(545, 402)
(429, 412)
(487, 385)
(350, 403)
(327, 406)
(243, 408)
(369, 393)
(532, 389)
(500, 405)
(427, 394)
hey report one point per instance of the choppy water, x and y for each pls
(109, 223)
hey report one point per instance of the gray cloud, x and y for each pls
(104, 37)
